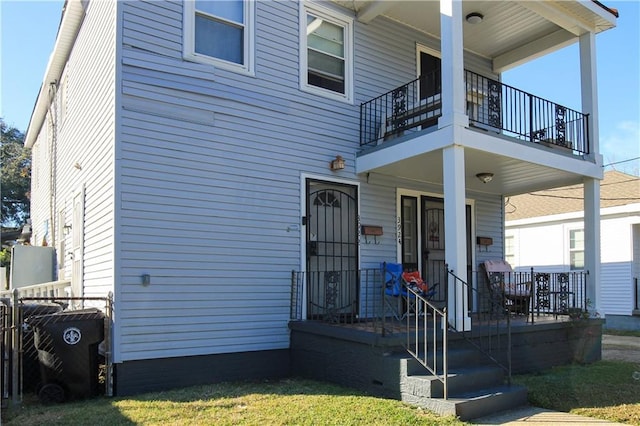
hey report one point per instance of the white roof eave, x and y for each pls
(72, 16)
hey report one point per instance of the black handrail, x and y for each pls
(491, 106)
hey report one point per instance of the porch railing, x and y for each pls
(490, 325)
(410, 107)
(491, 106)
(430, 326)
(496, 106)
(338, 296)
(60, 288)
(357, 296)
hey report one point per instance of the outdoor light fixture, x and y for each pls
(485, 177)
(474, 18)
(66, 229)
(337, 164)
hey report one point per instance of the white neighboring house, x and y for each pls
(545, 227)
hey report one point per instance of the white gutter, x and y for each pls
(72, 15)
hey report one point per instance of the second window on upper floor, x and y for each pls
(220, 32)
(326, 46)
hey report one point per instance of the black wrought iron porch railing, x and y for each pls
(410, 107)
(337, 296)
(491, 106)
(358, 297)
(636, 295)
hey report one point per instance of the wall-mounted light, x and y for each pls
(474, 18)
(485, 177)
(66, 229)
(337, 164)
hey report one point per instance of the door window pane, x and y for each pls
(410, 231)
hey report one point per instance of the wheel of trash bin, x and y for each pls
(51, 393)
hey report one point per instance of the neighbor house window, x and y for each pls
(576, 249)
(326, 52)
(220, 32)
(510, 250)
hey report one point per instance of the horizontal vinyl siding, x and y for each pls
(84, 136)
(546, 245)
(209, 167)
(89, 130)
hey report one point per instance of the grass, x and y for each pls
(608, 390)
(286, 402)
(621, 332)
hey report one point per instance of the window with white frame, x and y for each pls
(576, 249)
(220, 32)
(326, 44)
(510, 250)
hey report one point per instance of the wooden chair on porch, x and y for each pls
(506, 287)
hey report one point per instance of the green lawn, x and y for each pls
(286, 402)
(607, 390)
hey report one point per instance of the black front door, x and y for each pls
(332, 250)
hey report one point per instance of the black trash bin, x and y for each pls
(67, 344)
(30, 363)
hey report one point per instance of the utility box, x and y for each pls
(31, 265)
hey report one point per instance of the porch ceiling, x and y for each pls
(511, 176)
(512, 32)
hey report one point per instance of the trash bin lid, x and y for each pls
(31, 309)
(63, 316)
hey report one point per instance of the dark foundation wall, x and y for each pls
(544, 346)
(134, 377)
(373, 365)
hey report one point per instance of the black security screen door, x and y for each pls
(332, 250)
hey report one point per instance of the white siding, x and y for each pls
(83, 113)
(546, 244)
(209, 168)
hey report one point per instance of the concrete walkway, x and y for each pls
(531, 416)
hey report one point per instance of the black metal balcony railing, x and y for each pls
(491, 106)
(357, 296)
(413, 106)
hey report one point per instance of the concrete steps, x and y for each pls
(476, 387)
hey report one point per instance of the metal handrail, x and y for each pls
(491, 106)
(497, 106)
(486, 338)
(425, 348)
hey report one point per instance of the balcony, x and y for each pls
(492, 107)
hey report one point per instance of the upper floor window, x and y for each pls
(326, 52)
(220, 32)
(576, 249)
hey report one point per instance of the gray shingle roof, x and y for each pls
(616, 189)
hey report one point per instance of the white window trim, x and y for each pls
(338, 19)
(570, 250)
(188, 40)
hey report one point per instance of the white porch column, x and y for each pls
(589, 94)
(455, 230)
(589, 91)
(592, 240)
(452, 63)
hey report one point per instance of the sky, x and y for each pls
(29, 28)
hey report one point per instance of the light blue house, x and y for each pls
(189, 155)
